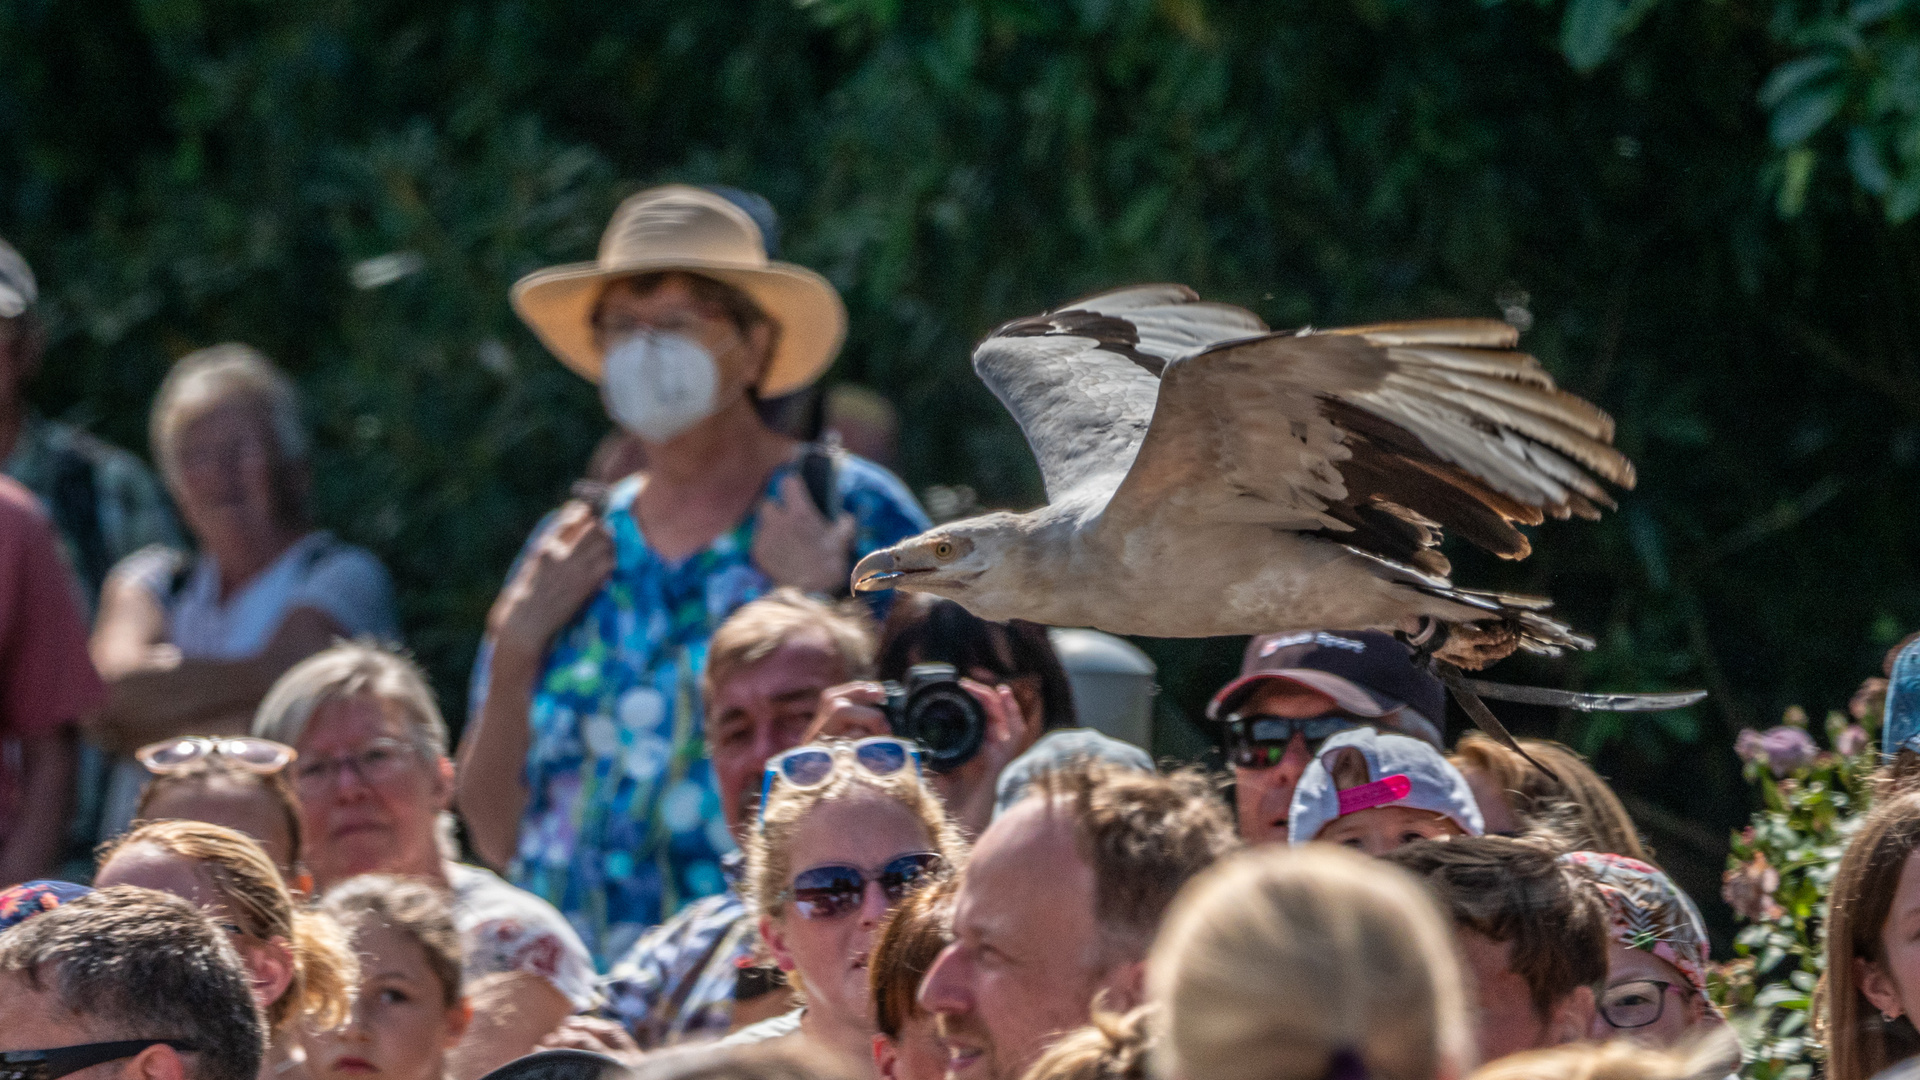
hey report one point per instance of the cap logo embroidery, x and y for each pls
(1385, 790)
(1320, 638)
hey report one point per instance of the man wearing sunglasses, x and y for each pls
(125, 984)
(1296, 691)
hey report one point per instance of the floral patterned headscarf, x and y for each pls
(1647, 911)
(21, 902)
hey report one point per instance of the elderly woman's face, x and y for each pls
(369, 800)
(671, 307)
(225, 470)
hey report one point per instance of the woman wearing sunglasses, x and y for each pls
(846, 831)
(236, 782)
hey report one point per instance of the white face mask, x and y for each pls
(658, 385)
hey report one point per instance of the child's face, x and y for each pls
(1381, 829)
(401, 1026)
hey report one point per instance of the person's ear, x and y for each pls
(155, 1063)
(886, 1057)
(270, 964)
(458, 1019)
(1877, 987)
(1123, 988)
(1572, 1018)
(775, 937)
(443, 782)
(759, 343)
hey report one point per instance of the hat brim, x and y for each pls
(1345, 693)
(557, 305)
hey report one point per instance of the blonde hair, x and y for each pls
(1278, 961)
(1714, 1055)
(210, 376)
(1592, 818)
(761, 627)
(770, 846)
(218, 768)
(411, 907)
(325, 970)
(352, 669)
(1111, 1047)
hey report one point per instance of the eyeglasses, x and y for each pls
(810, 766)
(262, 756)
(1259, 742)
(377, 763)
(829, 892)
(49, 1064)
(1637, 1003)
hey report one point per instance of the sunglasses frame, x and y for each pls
(1238, 730)
(777, 765)
(206, 746)
(51, 1064)
(928, 865)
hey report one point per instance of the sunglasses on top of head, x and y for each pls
(811, 766)
(60, 1061)
(829, 892)
(1259, 741)
(263, 756)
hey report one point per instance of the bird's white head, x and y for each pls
(949, 560)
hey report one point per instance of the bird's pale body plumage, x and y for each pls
(1208, 477)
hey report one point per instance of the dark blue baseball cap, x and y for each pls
(1366, 672)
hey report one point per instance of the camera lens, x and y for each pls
(948, 722)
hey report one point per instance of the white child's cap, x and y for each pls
(1400, 772)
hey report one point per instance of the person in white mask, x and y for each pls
(582, 773)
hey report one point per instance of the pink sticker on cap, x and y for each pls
(1385, 790)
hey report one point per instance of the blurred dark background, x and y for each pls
(1699, 213)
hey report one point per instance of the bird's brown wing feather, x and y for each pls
(1379, 437)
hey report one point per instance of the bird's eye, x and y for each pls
(943, 550)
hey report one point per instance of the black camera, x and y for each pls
(934, 710)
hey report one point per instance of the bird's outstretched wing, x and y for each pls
(1081, 380)
(1378, 436)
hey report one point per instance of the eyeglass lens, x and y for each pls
(1634, 1004)
(828, 892)
(379, 762)
(1259, 742)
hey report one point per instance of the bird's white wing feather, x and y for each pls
(1082, 380)
(1378, 436)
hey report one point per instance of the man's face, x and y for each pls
(762, 709)
(1509, 1023)
(1024, 963)
(1262, 795)
(35, 1020)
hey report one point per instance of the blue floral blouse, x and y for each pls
(623, 822)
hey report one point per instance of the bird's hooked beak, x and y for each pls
(876, 572)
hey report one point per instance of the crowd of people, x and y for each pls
(703, 836)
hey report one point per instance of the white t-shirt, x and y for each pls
(344, 582)
(504, 928)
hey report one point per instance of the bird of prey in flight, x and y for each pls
(1206, 476)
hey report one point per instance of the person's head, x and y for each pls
(372, 778)
(217, 789)
(846, 831)
(775, 1060)
(683, 315)
(1531, 929)
(299, 965)
(22, 335)
(1708, 1057)
(129, 964)
(228, 437)
(766, 667)
(1514, 796)
(1656, 988)
(410, 1008)
(1288, 963)
(1111, 1047)
(1870, 995)
(1058, 905)
(1297, 690)
(906, 1046)
(1374, 792)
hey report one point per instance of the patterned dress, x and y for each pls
(623, 822)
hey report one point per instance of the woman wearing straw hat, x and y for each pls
(582, 770)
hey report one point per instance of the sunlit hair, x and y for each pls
(1110, 1047)
(325, 970)
(1278, 961)
(760, 628)
(903, 952)
(1582, 810)
(1709, 1057)
(1860, 1042)
(216, 769)
(411, 907)
(769, 847)
(352, 669)
(213, 376)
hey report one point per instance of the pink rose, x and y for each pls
(1748, 890)
(1781, 749)
(1852, 741)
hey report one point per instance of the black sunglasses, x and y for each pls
(828, 892)
(58, 1062)
(1259, 742)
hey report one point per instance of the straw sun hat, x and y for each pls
(687, 228)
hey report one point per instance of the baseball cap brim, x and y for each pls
(1349, 696)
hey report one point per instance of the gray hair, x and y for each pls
(137, 964)
(350, 669)
(212, 375)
